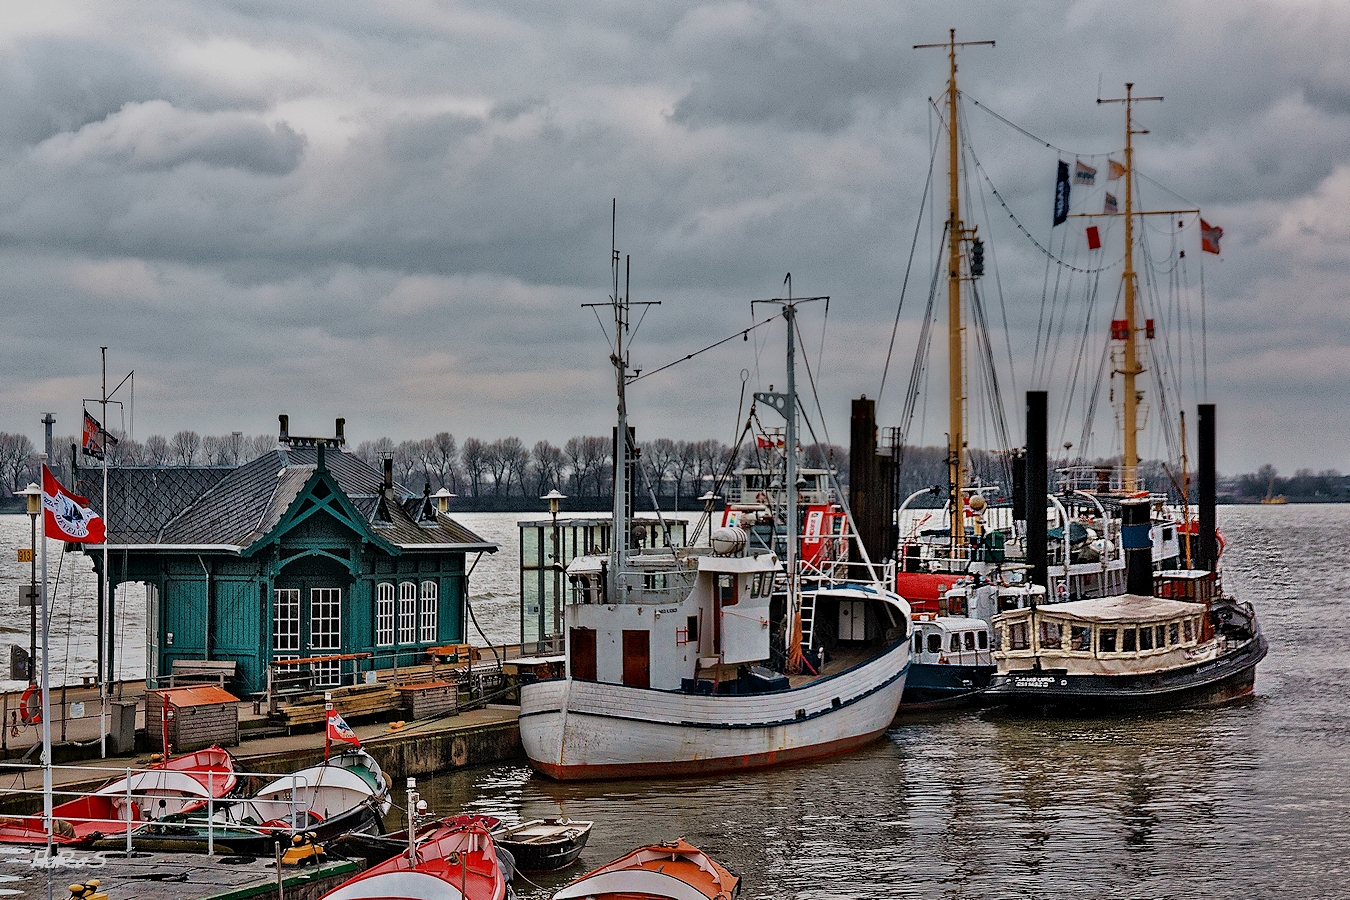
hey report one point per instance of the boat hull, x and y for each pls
(929, 686)
(1228, 677)
(573, 729)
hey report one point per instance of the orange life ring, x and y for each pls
(30, 706)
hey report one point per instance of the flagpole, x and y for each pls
(46, 681)
(327, 724)
(104, 603)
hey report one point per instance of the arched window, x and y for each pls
(428, 624)
(384, 614)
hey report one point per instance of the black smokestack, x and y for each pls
(285, 436)
(1207, 556)
(388, 473)
(341, 432)
(1037, 469)
(1134, 527)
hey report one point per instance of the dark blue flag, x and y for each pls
(1062, 194)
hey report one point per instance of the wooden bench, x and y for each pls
(202, 671)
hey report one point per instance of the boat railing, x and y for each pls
(1098, 479)
(130, 804)
(836, 573)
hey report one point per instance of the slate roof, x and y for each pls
(237, 507)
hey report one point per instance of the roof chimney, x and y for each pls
(285, 436)
(341, 429)
(388, 473)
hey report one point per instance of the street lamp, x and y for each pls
(33, 495)
(554, 498)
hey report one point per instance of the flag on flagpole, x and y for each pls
(68, 515)
(1110, 207)
(1116, 170)
(1210, 236)
(1094, 238)
(339, 730)
(1062, 194)
(1083, 174)
(96, 439)
(766, 442)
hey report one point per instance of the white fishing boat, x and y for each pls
(698, 660)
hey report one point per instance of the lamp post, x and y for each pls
(33, 495)
(443, 498)
(709, 501)
(554, 498)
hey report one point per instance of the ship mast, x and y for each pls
(956, 363)
(1131, 368)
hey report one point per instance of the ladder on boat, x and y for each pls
(808, 613)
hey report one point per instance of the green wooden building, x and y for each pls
(304, 552)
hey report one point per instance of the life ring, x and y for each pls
(1062, 589)
(762, 497)
(30, 706)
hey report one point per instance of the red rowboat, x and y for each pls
(176, 785)
(673, 871)
(454, 860)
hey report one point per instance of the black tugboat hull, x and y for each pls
(1222, 680)
(932, 687)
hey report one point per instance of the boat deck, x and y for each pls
(837, 662)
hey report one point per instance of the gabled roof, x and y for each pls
(235, 508)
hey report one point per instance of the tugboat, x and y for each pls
(669, 654)
(1174, 638)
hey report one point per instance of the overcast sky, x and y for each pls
(393, 211)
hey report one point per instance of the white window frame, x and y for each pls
(285, 623)
(384, 614)
(407, 612)
(325, 609)
(427, 623)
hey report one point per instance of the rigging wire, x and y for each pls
(1037, 138)
(739, 334)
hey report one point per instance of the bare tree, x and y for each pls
(186, 445)
(156, 450)
(547, 467)
(517, 461)
(217, 450)
(441, 457)
(408, 469)
(373, 453)
(16, 452)
(473, 454)
(257, 446)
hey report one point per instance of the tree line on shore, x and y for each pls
(506, 472)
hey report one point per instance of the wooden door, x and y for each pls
(637, 663)
(582, 641)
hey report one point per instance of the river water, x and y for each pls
(1251, 800)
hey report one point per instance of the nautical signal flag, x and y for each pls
(1110, 207)
(1116, 171)
(1210, 236)
(766, 442)
(1084, 174)
(68, 516)
(1094, 238)
(339, 730)
(1061, 194)
(95, 440)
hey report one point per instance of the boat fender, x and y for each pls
(30, 706)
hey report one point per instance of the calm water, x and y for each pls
(1251, 800)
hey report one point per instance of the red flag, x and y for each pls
(1094, 238)
(766, 442)
(95, 440)
(1209, 237)
(68, 515)
(339, 730)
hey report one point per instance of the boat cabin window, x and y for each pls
(1127, 644)
(1186, 629)
(1146, 637)
(969, 640)
(726, 590)
(1160, 636)
(1174, 633)
(918, 643)
(934, 642)
(1050, 634)
(1106, 640)
(1080, 638)
(1017, 636)
(954, 642)
(983, 638)
(761, 585)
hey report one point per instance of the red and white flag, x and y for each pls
(339, 730)
(68, 515)
(1210, 236)
(767, 442)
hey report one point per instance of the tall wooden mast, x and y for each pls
(956, 363)
(1131, 368)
